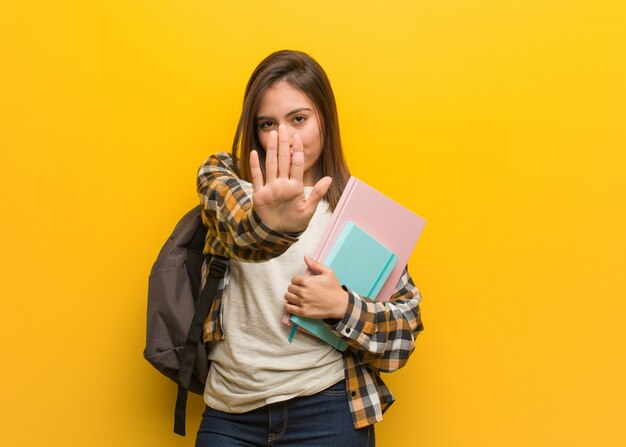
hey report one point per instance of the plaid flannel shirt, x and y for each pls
(380, 336)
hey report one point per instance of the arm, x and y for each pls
(379, 334)
(382, 334)
(260, 221)
(236, 229)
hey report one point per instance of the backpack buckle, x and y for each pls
(218, 266)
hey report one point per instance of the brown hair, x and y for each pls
(300, 71)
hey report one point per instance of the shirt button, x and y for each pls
(353, 393)
(348, 330)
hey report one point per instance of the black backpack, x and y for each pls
(177, 309)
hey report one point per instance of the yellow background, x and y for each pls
(500, 122)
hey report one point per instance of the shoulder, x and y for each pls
(219, 161)
(218, 179)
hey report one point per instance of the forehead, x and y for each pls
(282, 97)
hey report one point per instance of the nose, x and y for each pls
(291, 132)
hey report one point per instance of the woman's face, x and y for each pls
(283, 104)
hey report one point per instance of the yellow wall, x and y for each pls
(500, 122)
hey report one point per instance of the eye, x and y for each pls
(264, 125)
(299, 119)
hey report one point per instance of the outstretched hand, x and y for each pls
(279, 200)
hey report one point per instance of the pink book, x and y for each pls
(391, 224)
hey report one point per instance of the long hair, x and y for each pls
(301, 72)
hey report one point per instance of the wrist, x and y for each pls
(342, 305)
(271, 227)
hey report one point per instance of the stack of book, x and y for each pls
(367, 243)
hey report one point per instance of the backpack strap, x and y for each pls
(217, 268)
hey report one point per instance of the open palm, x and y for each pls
(279, 200)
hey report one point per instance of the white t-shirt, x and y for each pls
(255, 364)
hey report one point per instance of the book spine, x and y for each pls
(384, 273)
(337, 246)
(337, 218)
(321, 331)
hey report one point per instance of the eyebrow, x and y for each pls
(300, 109)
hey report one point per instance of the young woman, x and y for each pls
(266, 205)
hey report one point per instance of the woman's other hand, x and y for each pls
(317, 296)
(279, 200)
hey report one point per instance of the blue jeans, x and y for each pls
(323, 419)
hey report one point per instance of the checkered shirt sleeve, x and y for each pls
(234, 230)
(381, 337)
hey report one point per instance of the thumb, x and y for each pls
(319, 191)
(314, 266)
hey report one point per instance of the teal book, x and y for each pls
(362, 264)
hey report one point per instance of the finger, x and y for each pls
(316, 267)
(319, 191)
(271, 165)
(255, 169)
(296, 290)
(297, 159)
(293, 299)
(297, 281)
(292, 309)
(284, 157)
